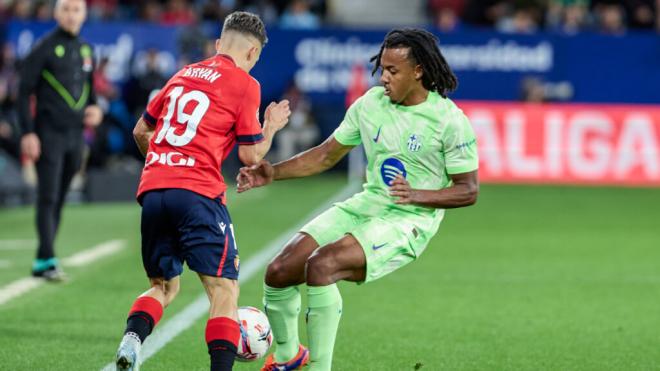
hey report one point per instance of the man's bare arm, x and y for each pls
(310, 162)
(275, 118)
(463, 192)
(313, 161)
(143, 134)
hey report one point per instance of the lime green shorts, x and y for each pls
(390, 240)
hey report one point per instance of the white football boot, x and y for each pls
(128, 354)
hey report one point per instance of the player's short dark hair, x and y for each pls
(246, 23)
(424, 51)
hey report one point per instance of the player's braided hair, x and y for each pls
(424, 51)
(246, 23)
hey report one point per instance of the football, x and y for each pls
(256, 336)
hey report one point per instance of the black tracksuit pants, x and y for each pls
(61, 158)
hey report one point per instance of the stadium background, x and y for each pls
(556, 267)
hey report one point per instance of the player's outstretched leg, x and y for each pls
(282, 302)
(324, 305)
(142, 318)
(282, 308)
(222, 329)
(343, 259)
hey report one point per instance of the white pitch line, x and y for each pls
(18, 288)
(17, 244)
(24, 285)
(200, 306)
(97, 252)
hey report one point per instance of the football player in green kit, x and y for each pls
(422, 159)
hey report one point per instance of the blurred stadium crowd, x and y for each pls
(516, 16)
(124, 103)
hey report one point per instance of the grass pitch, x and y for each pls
(531, 278)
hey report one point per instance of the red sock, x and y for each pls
(223, 328)
(148, 305)
(222, 336)
(143, 316)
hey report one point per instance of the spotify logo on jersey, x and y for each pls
(391, 168)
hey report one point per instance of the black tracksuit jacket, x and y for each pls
(59, 72)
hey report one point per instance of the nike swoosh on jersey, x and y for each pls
(377, 135)
(376, 247)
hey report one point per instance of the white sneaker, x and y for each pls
(128, 353)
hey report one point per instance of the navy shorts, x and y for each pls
(180, 225)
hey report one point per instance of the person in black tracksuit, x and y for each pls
(58, 72)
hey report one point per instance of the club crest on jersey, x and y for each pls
(391, 168)
(414, 143)
(86, 54)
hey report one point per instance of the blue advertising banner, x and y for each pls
(489, 65)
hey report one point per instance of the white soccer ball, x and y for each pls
(256, 336)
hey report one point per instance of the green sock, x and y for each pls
(282, 308)
(323, 316)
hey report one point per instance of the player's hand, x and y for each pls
(254, 176)
(401, 188)
(93, 116)
(31, 146)
(277, 114)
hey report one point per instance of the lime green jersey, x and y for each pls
(425, 143)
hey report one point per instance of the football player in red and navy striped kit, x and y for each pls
(186, 132)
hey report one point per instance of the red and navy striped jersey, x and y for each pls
(198, 118)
